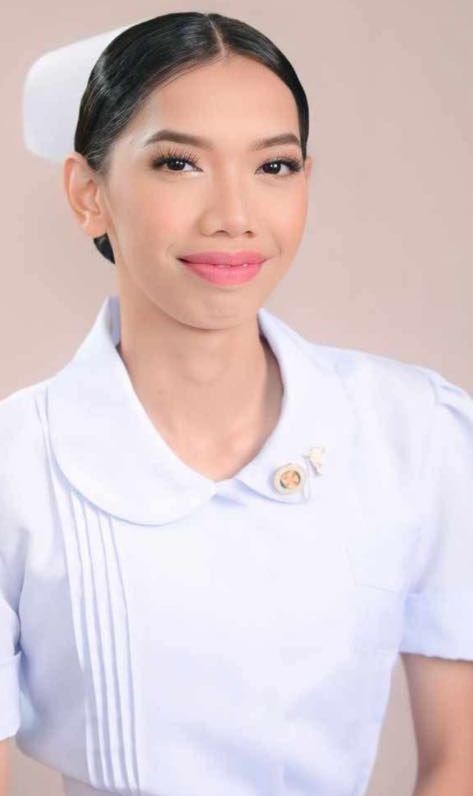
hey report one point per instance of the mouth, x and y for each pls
(218, 266)
(223, 274)
(223, 259)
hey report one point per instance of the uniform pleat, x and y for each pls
(106, 620)
(113, 617)
(99, 642)
(62, 509)
(101, 631)
(123, 633)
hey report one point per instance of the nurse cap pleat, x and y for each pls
(52, 92)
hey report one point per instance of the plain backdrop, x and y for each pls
(386, 260)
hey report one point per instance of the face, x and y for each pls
(163, 200)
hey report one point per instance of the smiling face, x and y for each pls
(217, 194)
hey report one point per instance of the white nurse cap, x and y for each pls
(52, 92)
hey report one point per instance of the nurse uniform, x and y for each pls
(165, 634)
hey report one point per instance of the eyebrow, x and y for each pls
(205, 143)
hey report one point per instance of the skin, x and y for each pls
(441, 700)
(5, 766)
(189, 345)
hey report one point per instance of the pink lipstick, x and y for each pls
(224, 267)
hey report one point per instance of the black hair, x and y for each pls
(147, 54)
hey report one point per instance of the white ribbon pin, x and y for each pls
(316, 456)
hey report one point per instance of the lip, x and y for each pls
(224, 258)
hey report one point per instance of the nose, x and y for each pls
(227, 207)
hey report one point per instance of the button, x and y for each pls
(289, 478)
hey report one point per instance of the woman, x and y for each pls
(231, 531)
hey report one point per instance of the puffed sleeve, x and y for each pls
(10, 652)
(439, 607)
(10, 655)
(12, 563)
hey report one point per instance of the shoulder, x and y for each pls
(396, 401)
(19, 413)
(22, 481)
(21, 441)
(384, 382)
(384, 390)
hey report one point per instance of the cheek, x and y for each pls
(285, 204)
(149, 220)
(288, 222)
(152, 217)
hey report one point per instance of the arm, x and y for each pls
(441, 697)
(442, 782)
(4, 766)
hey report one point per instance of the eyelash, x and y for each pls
(293, 164)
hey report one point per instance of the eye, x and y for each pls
(173, 158)
(293, 164)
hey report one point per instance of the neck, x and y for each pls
(212, 389)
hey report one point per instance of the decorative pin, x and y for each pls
(317, 457)
(289, 478)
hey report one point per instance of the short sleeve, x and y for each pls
(12, 562)
(438, 618)
(20, 441)
(10, 652)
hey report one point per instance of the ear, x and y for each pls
(83, 191)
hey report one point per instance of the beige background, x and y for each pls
(386, 261)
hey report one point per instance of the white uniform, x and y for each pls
(165, 634)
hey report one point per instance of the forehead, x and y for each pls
(208, 99)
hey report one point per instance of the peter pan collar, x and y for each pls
(108, 449)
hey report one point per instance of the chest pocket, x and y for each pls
(379, 549)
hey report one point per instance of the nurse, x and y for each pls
(231, 531)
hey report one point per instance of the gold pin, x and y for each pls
(289, 478)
